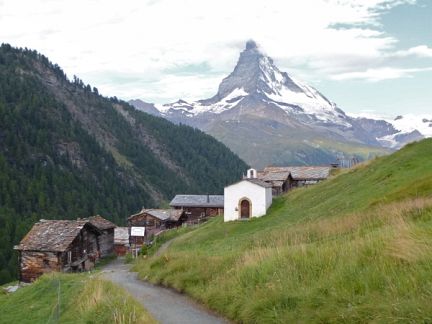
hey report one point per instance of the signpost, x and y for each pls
(136, 231)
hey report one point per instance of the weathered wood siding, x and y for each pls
(194, 213)
(152, 226)
(106, 242)
(34, 264)
(120, 249)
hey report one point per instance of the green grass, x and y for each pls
(104, 261)
(84, 298)
(356, 248)
(165, 237)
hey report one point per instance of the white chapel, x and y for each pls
(250, 197)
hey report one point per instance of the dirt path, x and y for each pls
(166, 305)
(163, 247)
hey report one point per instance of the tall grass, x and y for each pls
(84, 298)
(357, 248)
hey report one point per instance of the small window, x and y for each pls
(203, 214)
(46, 262)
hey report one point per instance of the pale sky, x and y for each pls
(365, 55)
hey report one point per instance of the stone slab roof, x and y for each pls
(256, 181)
(259, 182)
(100, 222)
(53, 235)
(274, 176)
(302, 172)
(198, 201)
(161, 214)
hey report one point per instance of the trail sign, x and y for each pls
(137, 231)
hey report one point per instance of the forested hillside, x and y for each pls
(67, 152)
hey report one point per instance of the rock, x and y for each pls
(12, 289)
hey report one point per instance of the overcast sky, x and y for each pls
(365, 55)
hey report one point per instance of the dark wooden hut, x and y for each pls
(285, 178)
(155, 221)
(57, 245)
(106, 239)
(280, 181)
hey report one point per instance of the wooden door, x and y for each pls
(244, 209)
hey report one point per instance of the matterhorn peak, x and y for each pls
(257, 81)
(251, 44)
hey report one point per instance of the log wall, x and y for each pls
(34, 264)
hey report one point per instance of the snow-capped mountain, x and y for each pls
(267, 116)
(397, 132)
(256, 75)
(409, 123)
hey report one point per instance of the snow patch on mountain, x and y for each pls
(311, 102)
(226, 103)
(197, 107)
(287, 91)
(396, 132)
(409, 122)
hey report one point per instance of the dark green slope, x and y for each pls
(67, 152)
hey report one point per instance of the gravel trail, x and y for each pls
(166, 305)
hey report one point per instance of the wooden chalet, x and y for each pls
(121, 241)
(280, 181)
(284, 178)
(57, 245)
(199, 207)
(106, 239)
(155, 221)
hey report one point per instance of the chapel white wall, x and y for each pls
(259, 196)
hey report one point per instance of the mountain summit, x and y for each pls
(256, 74)
(282, 120)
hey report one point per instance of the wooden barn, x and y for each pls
(281, 181)
(121, 241)
(284, 178)
(57, 245)
(155, 220)
(106, 239)
(199, 207)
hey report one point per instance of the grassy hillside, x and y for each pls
(84, 298)
(357, 248)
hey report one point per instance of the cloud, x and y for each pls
(380, 74)
(151, 40)
(419, 51)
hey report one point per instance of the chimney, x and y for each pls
(208, 198)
